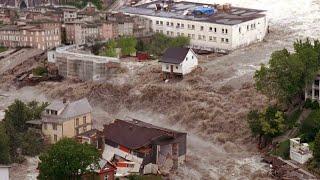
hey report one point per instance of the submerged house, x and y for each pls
(178, 61)
(299, 152)
(138, 147)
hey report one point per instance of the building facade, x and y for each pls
(42, 36)
(313, 92)
(224, 29)
(66, 119)
(81, 66)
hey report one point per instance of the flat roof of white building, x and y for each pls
(179, 10)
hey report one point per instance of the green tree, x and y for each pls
(180, 41)
(287, 74)
(67, 159)
(267, 124)
(127, 44)
(161, 42)
(16, 116)
(32, 143)
(110, 49)
(310, 126)
(4, 146)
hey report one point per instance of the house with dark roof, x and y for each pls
(178, 61)
(66, 119)
(138, 147)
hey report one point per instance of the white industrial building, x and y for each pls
(210, 27)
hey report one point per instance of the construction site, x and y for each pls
(210, 104)
(73, 63)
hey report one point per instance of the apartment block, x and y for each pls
(40, 35)
(210, 27)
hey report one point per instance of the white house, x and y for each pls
(4, 172)
(210, 27)
(299, 152)
(178, 61)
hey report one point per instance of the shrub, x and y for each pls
(315, 105)
(283, 149)
(308, 104)
(39, 71)
(310, 126)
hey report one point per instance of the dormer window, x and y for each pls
(47, 111)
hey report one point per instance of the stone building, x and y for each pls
(39, 34)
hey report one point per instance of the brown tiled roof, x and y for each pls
(174, 55)
(135, 134)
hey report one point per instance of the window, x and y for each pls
(54, 126)
(191, 57)
(161, 23)
(157, 22)
(167, 66)
(55, 138)
(226, 31)
(210, 38)
(47, 111)
(247, 27)
(199, 37)
(215, 30)
(84, 129)
(171, 24)
(222, 39)
(168, 23)
(239, 29)
(168, 32)
(222, 31)
(227, 40)
(84, 119)
(182, 25)
(192, 26)
(210, 28)
(77, 131)
(177, 67)
(201, 28)
(178, 34)
(186, 58)
(77, 121)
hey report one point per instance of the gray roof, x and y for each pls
(71, 109)
(235, 15)
(56, 105)
(174, 55)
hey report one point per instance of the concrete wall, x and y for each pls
(4, 173)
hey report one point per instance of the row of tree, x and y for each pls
(16, 139)
(156, 45)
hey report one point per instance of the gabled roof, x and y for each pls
(135, 134)
(56, 105)
(174, 55)
(71, 109)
